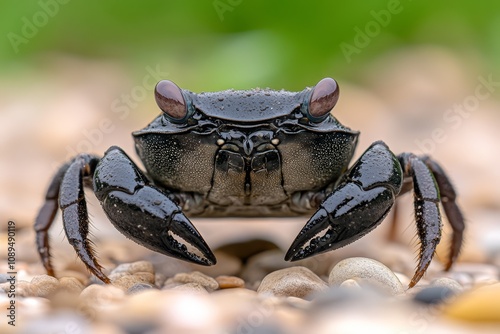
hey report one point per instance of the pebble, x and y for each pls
(46, 284)
(84, 279)
(127, 281)
(365, 270)
(261, 264)
(209, 283)
(433, 295)
(26, 289)
(477, 305)
(160, 280)
(134, 267)
(191, 287)
(229, 282)
(350, 284)
(96, 294)
(449, 283)
(295, 281)
(71, 285)
(139, 287)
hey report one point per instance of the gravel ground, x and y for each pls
(358, 289)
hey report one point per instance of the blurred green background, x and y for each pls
(212, 45)
(67, 68)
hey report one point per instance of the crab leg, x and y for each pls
(74, 210)
(427, 215)
(455, 217)
(48, 211)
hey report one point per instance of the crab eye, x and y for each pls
(323, 99)
(170, 100)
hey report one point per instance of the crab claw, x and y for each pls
(346, 215)
(181, 227)
(145, 213)
(151, 219)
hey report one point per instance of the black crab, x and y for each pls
(247, 153)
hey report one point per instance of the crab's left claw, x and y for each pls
(345, 216)
(359, 204)
(144, 213)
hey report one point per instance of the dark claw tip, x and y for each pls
(181, 234)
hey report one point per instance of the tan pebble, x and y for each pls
(366, 270)
(160, 279)
(21, 288)
(127, 281)
(191, 287)
(46, 284)
(102, 294)
(71, 285)
(134, 267)
(298, 302)
(114, 276)
(170, 284)
(447, 282)
(478, 305)
(84, 279)
(294, 281)
(229, 282)
(142, 266)
(350, 284)
(26, 289)
(145, 277)
(207, 282)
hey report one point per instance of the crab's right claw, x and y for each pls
(345, 216)
(144, 213)
(151, 219)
